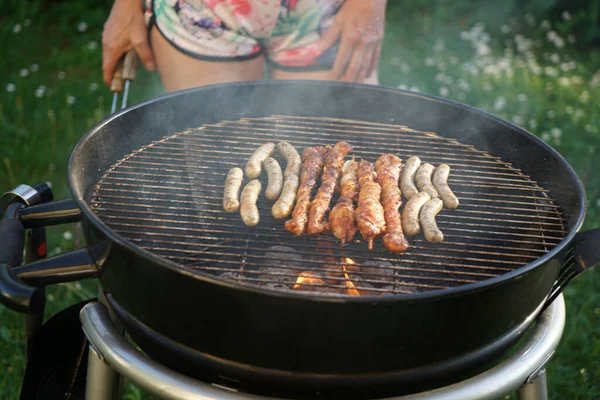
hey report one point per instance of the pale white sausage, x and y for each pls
(254, 164)
(248, 210)
(410, 214)
(275, 179)
(423, 180)
(440, 181)
(283, 206)
(294, 161)
(233, 183)
(427, 217)
(407, 180)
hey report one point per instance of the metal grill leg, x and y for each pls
(103, 383)
(536, 390)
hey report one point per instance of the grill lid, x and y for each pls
(166, 198)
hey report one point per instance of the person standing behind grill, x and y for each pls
(201, 42)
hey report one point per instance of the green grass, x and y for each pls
(53, 104)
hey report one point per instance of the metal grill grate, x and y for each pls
(166, 198)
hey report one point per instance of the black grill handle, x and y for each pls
(583, 254)
(14, 293)
(21, 286)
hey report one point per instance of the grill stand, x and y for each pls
(111, 355)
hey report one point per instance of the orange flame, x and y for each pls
(352, 291)
(307, 278)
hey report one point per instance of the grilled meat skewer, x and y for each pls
(341, 217)
(388, 168)
(369, 213)
(313, 159)
(331, 172)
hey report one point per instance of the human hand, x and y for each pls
(125, 28)
(359, 26)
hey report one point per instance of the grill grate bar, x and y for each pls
(414, 241)
(166, 197)
(216, 201)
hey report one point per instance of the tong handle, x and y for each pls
(125, 71)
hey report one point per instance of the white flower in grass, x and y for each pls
(579, 113)
(545, 25)
(566, 15)
(93, 86)
(555, 58)
(545, 136)
(571, 39)
(556, 133)
(441, 66)
(414, 88)
(499, 103)
(404, 67)
(556, 141)
(50, 297)
(505, 29)
(564, 81)
(24, 73)
(57, 250)
(516, 119)
(464, 85)
(17, 28)
(61, 75)
(93, 45)
(11, 87)
(40, 91)
(444, 91)
(430, 62)
(522, 97)
(71, 100)
(439, 47)
(533, 123)
(487, 86)
(585, 96)
(453, 60)
(440, 77)
(402, 86)
(82, 27)
(34, 67)
(589, 129)
(551, 71)
(67, 235)
(465, 35)
(576, 80)
(569, 110)
(530, 20)
(395, 61)
(461, 96)
(550, 114)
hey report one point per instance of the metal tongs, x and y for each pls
(124, 74)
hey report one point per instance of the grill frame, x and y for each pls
(397, 340)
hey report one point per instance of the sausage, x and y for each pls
(423, 180)
(294, 162)
(233, 183)
(440, 181)
(410, 214)
(254, 164)
(248, 210)
(283, 206)
(275, 179)
(407, 180)
(427, 217)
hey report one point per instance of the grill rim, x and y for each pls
(88, 213)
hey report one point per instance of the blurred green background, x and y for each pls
(532, 62)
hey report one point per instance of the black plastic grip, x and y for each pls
(12, 242)
(18, 296)
(53, 213)
(587, 248)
